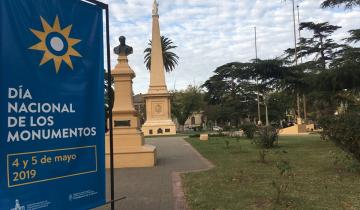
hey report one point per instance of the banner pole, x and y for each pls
(112, 194)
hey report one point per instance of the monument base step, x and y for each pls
(294, 130)
(156, 129)
(133, 157)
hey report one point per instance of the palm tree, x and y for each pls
(170, 58)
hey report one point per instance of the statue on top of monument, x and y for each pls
(155, 10)
(123, 49)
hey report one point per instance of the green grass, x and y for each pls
(240, 181)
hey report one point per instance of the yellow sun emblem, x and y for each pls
(56, 43)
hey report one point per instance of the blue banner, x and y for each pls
(51, 105)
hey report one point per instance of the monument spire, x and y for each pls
(155, 10)
(158, 106)
(157, 73)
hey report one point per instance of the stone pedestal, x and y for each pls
(204, 137)
(299, 121)
(294, 130)
(310, 127)
(131, 157)
(158, 115)
(129, 147)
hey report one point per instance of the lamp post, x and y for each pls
(258, 97)
(301, 61)
(296, 64)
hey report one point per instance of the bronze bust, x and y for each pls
(123, 49)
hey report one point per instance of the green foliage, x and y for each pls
(219, 134)
(268, 135)
(194, 135)
(170, 58)
(284, 167)
(320, 45)
(344, 131)
(348, 3)
(279, 103)
(249, 130)
(109, 98)
(230, 92)
(227, 128)
(354, 36)
(344, 162)
(227, 143)
(284, 181)
(329, 76)
(262, 155)
(184, 103)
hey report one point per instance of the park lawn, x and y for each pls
(240, 181)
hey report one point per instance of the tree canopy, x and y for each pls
(347, 3)
(184, 103)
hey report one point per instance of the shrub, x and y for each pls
(227, 143)
(220, 134)
(268, 135)
(249, 130)
(285, 180)
(262, 155)
(227, 128)
(344, 131)
(194, 135)
(342, 161)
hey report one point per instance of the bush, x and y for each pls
(344, 131)
(285, 180)
(227, 143)
(194, 135)
(220, 134)
(249, 130)
(227, 128)
(342, 161)
(268, 135)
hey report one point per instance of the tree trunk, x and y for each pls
(258, 106)
(267, 116)
(298, 105)
(181, 128)
(304, 104)
(322, 53)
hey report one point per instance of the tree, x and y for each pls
(184, 103)
(279, 103)
(320, 46)
(320, 51)
(348, 3)
(354, 36)
(271, 74)
(232, 90)
(170, 58)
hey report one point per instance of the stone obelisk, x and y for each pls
(158, 108)
(129, 147)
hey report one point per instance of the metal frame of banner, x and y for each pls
(112, 190)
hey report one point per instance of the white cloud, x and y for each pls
(210, 33)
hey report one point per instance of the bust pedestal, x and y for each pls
(129, 147)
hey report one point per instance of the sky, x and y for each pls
(210, 33)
